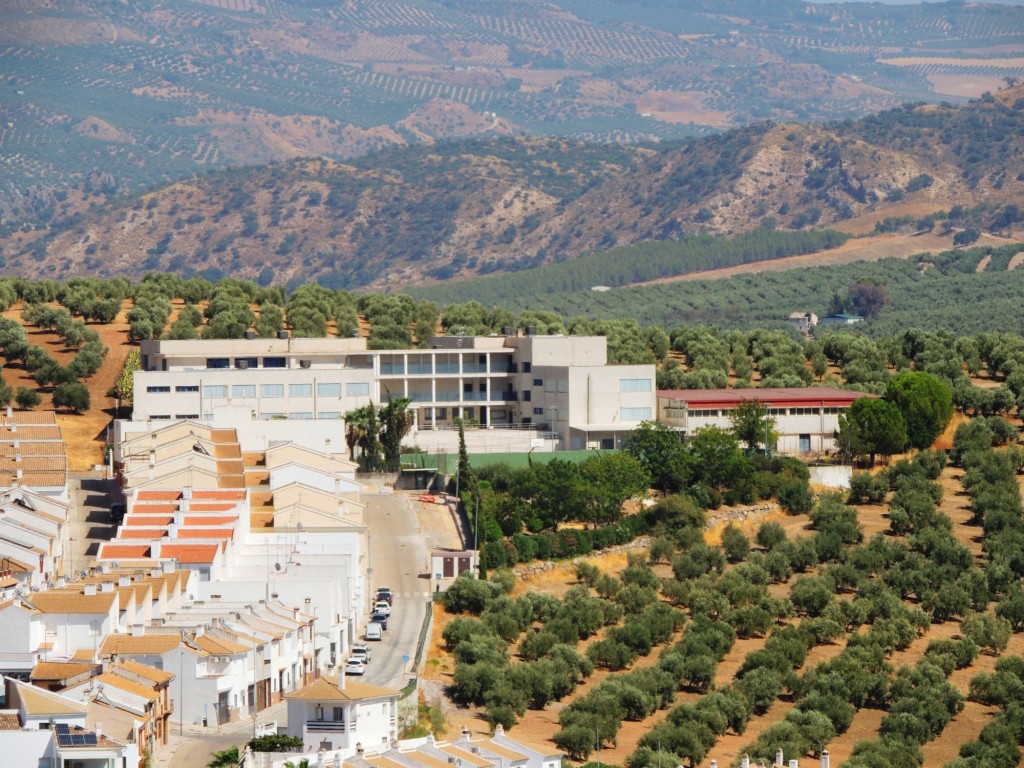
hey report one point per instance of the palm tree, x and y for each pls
(355, 429)
(226, 758)
(396, 421)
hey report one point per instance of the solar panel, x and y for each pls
(62, 727)
(90, 740)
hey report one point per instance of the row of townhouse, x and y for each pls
(299, 389)
(373, 746)
(32, 453)
(34, 534)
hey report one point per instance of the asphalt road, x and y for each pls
(398, 559)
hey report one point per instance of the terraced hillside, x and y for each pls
(107, 98)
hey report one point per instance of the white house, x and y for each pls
(338, 715)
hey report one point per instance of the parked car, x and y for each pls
(354, 667)
(385, 594)
(382, 606)
(361, 651)
(374, 631)
(380, 618)
(117, 513)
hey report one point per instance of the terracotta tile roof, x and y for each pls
(146, 671)
(34, 433)
(136, 689)
(326, 689)
(150, 520)
(140, 533)
(29, 417)
(117, 645)
(59, 670)
(213, 506)
(153, 508)
(82, 654)
(201, 520)
(29, 448)
(205, 533)
(158, 496)
(34, 464)
(36, 701)
(425, 758)
(34, 479)
(191, 553)
(380, 762)
(9, 721)
(111, 550)
(216, 645)
(68, 601)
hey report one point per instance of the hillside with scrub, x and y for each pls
(419, 216)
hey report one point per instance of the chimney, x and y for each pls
(99, 731)
(172, 531)
(138, 630)
(794, 764)
(107, 586)
(154, 552)
(780, 759)
(745, 761)
(124, 580)
(90, 589)
(713, 764)
(499, 730)
(824, 759)
(359, 746)
(10, 411)
(61, 582)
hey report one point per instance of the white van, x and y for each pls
(374, 632)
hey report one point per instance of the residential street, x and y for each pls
(402, 532)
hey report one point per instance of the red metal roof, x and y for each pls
(795, 397)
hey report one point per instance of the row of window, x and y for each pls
(246, 362)
(325, 389)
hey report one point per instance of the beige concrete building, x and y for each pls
(544, 384)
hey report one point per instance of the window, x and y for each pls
(634, 385)
(272, 416)
(537, 411)
(218, 362)
(635, 414)
(328, 390)
(356, 388)
(246, 362)
(271, 390)
(275, 362)
(339, 714)
(215, 390)
(527, 395)
(159, 390)
(187, 388)
(184, 416)
(243, 390)
(300, 390)
(328, 414)
(527, 367)
(538, 382)
(300, 415)
(161, 417)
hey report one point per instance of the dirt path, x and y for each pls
(870, 248)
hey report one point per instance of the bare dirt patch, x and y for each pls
(967, 85)
(681, 107)
(873, 248)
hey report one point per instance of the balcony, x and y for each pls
(392, 369)
(474, 367)
(324, 726)
(447, 368)
(420, 368)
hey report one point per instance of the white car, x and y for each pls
(354, 667)
(382, 606)
(361, 651)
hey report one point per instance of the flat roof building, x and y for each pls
(552, 384)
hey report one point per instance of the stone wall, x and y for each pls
(533, 568)
(740, 514)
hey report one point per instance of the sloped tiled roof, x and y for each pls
(9, 721)
(59, 670)
(36, 702)
(67, 601)
(216, 645)
(191, 553)
(116, 645)
(146, 671)
(326, 689)
(136, 689)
